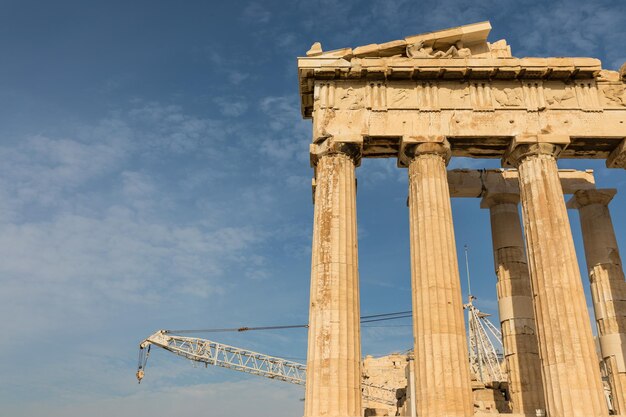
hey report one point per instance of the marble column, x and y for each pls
(333, 378)
(442, 378)
(570, 371)
(515, 304)
(608, 289)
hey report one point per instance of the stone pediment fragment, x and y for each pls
(468, 34)
(459, 42)
(316, 49)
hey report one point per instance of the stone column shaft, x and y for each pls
(570, 370)
(608, 289)
(442, 377)
(333, 383)
(515, 302)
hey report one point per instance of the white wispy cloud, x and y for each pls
(161, 127)
(288, 137)
(256, 13)
(39, 170)
(231, 106)
(244, 398)
(237, 77)
(106, 235)
(88, 230)
(225, 63)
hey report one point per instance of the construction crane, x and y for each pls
(485, 340)
(243, 360)
(484, 360)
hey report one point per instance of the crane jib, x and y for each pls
(243, 360)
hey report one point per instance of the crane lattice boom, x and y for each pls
(219, 354)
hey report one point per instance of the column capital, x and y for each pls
(582, 198)
(617, 158)
(494, 199)
(526, 145)
(352, 147)
(413, 146)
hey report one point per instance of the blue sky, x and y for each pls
(154, 174)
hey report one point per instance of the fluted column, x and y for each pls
(333, 383)
(608, 289)
(442, 378)
(515, 304)
(570, 371)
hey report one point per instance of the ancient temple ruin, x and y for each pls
(426, 99)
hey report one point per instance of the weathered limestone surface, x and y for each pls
(442, 378)
(515, 302)
(490, 401)
(333, 385)
(608, 288)
(571, 375)
(617, 158)
(389, 371)
(456, 84)
(476, 183)
(393, 100)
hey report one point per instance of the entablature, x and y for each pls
(438, 71)
(479, 119)
(454, 84)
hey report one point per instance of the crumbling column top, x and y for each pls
(480, 183)
(584, 198)
(413, 146)
(351, 147)
(525, 145)
(494, 199)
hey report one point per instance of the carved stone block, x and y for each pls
(613, 95)
(560, 95)
(402, 95)
(508, 94)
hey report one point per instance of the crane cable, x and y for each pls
(364, 319)
(144, 354)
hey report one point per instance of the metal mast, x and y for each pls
(485, 340)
